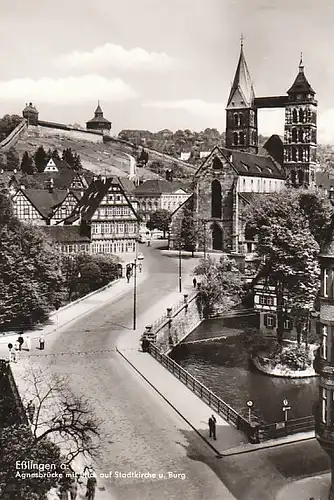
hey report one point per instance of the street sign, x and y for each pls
(286, 408)
(285, 402)
(249, 403)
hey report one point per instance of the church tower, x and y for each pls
(300, 132)
(241, 113)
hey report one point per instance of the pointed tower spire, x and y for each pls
(301, 65)
(241, 113)
(242, 86)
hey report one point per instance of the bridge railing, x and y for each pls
(217, 404)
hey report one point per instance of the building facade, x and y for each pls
(325, 359)
(109, 215)
(153, 195)
(224, 185)
(44, 207)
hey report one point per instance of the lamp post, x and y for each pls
(135, 290)
(204, 239)
(180, 269)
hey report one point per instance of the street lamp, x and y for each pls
(250, 405)
(285, 409)
(135, 289)
(204, 239)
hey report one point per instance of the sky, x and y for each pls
(157, 64)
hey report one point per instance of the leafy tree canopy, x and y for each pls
(159, 220)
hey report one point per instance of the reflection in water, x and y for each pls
(223, 366)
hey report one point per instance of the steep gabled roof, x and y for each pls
(301, 85)
(44, 201)
(93, 196)
(242, 91)
(249, 164)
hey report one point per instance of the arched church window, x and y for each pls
(301, 115)
(236, 119)
(294, 135)
(216, 199)
(235, 138)
(217, 164)
(300, 135)
(300, 174)
(242, 138)
(294, 116)
(301, 156)
(294, 154)
(241, 119)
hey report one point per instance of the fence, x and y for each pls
(256, 432)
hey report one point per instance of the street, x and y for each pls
(143, 434)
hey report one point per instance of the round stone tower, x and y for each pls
(30, 113)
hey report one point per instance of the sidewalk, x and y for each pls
(316, 487)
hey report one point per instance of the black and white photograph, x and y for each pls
(167, 250)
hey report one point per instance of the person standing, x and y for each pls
(74, 490)
(194, 282)
(41, 342)
(17, 347)
(10, 351)
(20, 340)
(212, 426)
(91, 487)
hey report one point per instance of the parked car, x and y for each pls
(140, 256)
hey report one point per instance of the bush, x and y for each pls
(295, 358)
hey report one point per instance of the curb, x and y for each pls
(170, 404)
(262, 446)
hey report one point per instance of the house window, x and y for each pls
(324, 405)
(266, 300)
(110, 211)
(121, 228)
(287, 324)
(26, 211)
(118, 210)
(269, 320)
(323, 349)
(216, 199)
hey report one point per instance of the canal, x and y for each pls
(223, 366)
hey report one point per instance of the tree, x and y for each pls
(40, 158)
(29, 270)
(291, 226)
(13, 160)
(221, 284)
(159, 220)
(3, 161)
(189, 233)
(55, 154)
(27, 164)
(59, 414)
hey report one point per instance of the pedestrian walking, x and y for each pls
(41, 342)
(91, 487)
(17, 350)
(10, 355)
(28, 342)
(20, 340)
(212, 426)
(31, 411)
(194, 282)
(74, 490)
(140, 267)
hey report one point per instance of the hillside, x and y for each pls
(106, 159)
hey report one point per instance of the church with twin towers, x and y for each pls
(300, 125)
(233, 176)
